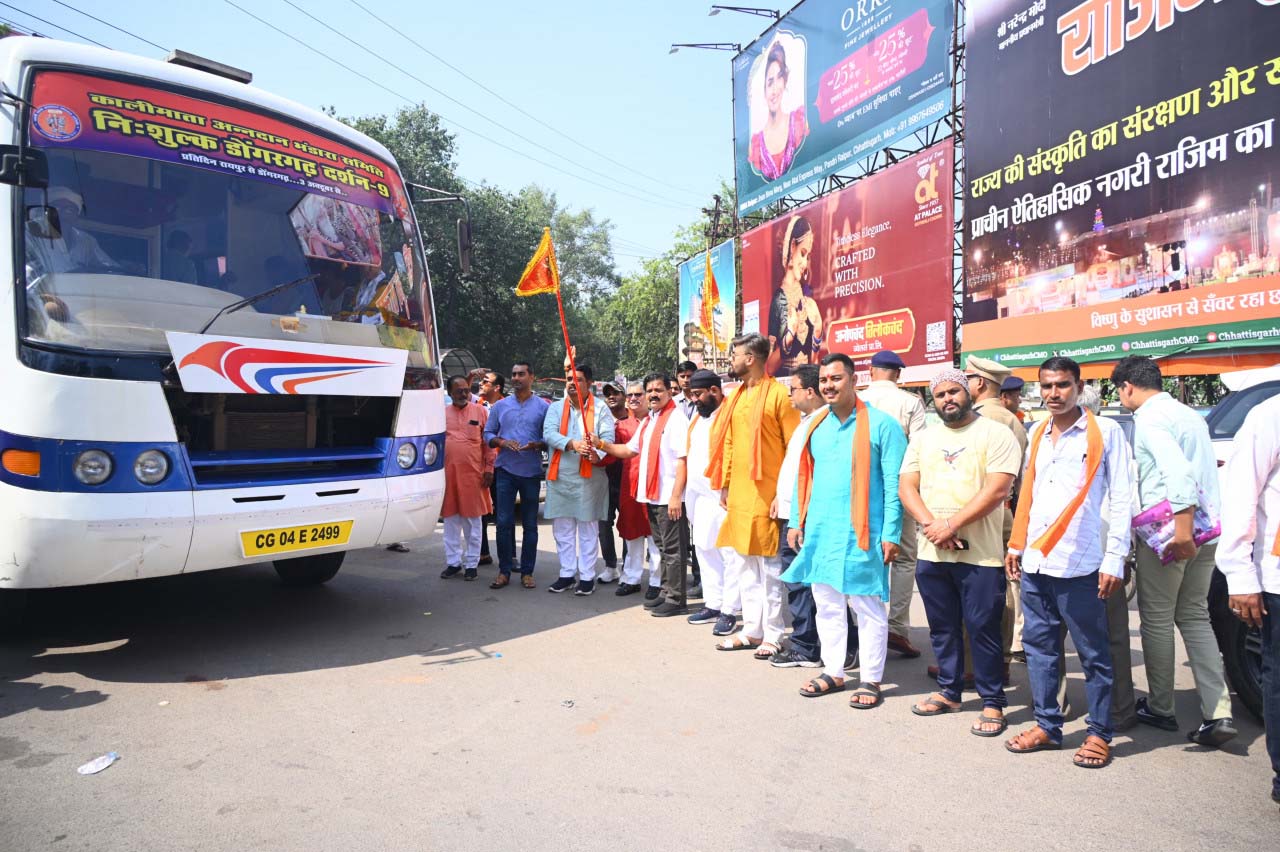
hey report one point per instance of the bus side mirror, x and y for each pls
(43, 221)
(23, 166)
(464, 246)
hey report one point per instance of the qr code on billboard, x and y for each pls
(935, 337)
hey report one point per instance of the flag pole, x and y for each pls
(568, 348)
(711, 314)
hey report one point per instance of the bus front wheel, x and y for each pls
(309, 570)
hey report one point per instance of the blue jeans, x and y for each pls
(1047, 604)
(1271, 681)
(957, 595)
(508, 485)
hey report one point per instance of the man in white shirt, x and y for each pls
(1249, 551)
(720, 603)
(908, 409)
(804, 648)
(1077, 464)
(659, 444)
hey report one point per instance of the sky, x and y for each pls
(639, 135)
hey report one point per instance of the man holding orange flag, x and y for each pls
(1077, 464)
(577, 490)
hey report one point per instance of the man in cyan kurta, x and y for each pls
(577, 486)
(468, 472)
(747, 449)
(846, 524)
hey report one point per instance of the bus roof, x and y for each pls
(16, 51)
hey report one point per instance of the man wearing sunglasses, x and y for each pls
(515, 431)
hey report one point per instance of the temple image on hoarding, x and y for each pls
(1172, 250)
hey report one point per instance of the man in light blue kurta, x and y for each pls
(830, 560)
(576, 504)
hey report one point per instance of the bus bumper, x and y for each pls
(50, 539)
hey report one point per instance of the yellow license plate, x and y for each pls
(289, 539)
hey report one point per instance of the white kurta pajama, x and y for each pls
(575, 505)
(719, 592)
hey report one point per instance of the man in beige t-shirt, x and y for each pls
(955, 481)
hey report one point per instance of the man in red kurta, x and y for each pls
(468, 471)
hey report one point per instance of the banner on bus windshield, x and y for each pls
(92, 113)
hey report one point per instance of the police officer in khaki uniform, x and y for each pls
(907, 408)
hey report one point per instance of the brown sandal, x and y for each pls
(526, 580)
(1032, 739)
(500, 581)
(1096, 749)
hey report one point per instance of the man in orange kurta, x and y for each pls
(749, 440)
(468, 471)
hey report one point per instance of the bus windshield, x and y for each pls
(164, 210)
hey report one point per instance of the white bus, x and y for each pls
(216, 335)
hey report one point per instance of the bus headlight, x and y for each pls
(151, 467)
(92, 467)
(429, 453)
(406, 455)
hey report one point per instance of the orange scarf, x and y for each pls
(720, 429)
(1056, 530)
(1275, 548)
(584, 463)
(860, 506)
(688, 438)
(653, 487)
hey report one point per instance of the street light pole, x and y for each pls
(717, 45)
(747, 10)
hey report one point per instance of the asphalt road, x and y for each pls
(393, 710)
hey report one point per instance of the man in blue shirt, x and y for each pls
(1178, 468)
(515, 430)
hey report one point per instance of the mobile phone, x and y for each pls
(962, 544)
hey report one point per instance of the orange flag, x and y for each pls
(710, 298)
(541, 275)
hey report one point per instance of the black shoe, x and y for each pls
(1214, 732)
(655, 602)
(585, 587)
(1155, 720)
(668, 609)
(563, 584)
(470, 574)
(789, 659)
(486, 560)
(652, 592)
(725, 624)
(695, 591)
(451, 571)
(851, 661)
(625, 589)
(1019, 657)
(706, 615)
(1275, 796)
(398, 547)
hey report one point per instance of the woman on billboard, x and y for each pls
(774, 148)
(795, 322)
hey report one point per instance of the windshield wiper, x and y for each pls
(257, 297)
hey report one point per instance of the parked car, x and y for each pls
(1241, 646)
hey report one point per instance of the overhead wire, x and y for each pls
(52, 24)
(512, 104)
(113, 26)
(517, 134)
(460, 126)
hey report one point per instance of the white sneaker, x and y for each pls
(608, 575)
